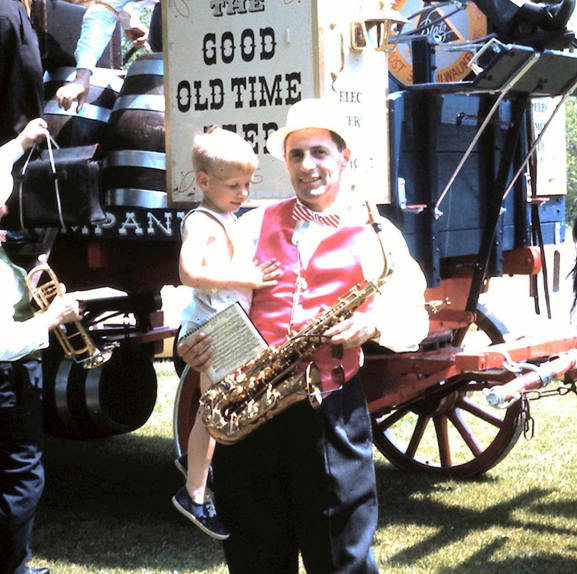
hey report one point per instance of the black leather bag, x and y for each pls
(60, 193)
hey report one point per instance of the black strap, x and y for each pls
(49, 140)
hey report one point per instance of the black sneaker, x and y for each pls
(202, 515)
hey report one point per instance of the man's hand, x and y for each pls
(63, 309)
(34, 130)
(353, 332)
(197, 351)
(134, 30)
(138, 36)
(77, 90)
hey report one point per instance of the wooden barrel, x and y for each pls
(89, 126)
(135, 162)
(115, 398)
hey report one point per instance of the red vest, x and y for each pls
(333, 269)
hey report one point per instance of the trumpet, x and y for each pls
(73, 337)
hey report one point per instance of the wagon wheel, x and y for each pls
(185, 407)
(177, 360)
(455, 433)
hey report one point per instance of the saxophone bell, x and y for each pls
(72, 337)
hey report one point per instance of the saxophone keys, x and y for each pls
(314, 386)
(252, 410)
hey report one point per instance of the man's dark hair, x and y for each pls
(338, 141)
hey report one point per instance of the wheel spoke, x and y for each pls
(387, 422)
(417, 436)
(485, 414)
(441, 427)
(466, 433)
(467, 436)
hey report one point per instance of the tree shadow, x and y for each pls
(452, 524)
(481, 562)
(107, 504)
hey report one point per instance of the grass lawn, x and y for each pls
(107, 509)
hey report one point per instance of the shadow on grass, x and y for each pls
(452, 523)
(107, 504)
(552, 563)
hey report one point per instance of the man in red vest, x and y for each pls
(304, 482)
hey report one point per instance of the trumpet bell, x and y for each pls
(98, 358)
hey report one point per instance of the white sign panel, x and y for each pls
(551, 152)
(240, 64)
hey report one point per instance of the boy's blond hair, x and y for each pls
(218, 148)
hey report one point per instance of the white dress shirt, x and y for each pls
(400, 313)
(17, 339)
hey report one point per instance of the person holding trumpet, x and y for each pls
(22, 335)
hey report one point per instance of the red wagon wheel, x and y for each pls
(455, 433)
(185, 407)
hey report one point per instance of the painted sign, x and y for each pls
(447, 24)
(240, 64)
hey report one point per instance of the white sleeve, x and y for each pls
(10, 152)
(98, 26)
(17, 339)
(400, 306)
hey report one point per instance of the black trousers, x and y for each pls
(21, 470)
(305, 481)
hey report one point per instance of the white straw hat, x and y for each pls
(309, 113)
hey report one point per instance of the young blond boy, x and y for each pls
(213, 262)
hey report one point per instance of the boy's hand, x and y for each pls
(270, 270)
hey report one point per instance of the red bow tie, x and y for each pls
(302, 213)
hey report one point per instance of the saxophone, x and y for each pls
(270, 383)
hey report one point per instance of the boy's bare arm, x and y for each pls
(197, 272)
